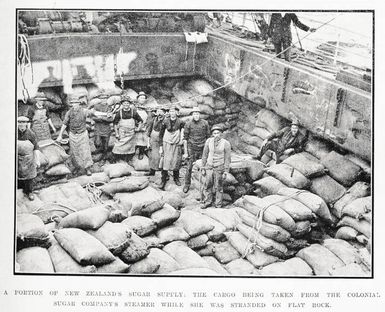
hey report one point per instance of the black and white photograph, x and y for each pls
(202, 143)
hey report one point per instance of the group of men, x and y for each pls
(162, 135)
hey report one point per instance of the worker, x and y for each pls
(27, 160)
(75, 120)
(196, 132)
(125, 122)
(171, 141)
(216, 160)
(280, 32)
(102, 126)
(153, 130)
(41, 123)
(285, 142)
(140, 131)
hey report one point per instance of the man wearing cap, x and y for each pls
(140, 131)
(154, 126)
(124, 123)
(75, 120)
(102, 125)
(286, 141)
(196, 132)
(216, 160)
(171, 141)
(40, 120)
(27, 159)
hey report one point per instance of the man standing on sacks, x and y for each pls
(171, 141)
(216, 161)
(196, 132)
(154, 126)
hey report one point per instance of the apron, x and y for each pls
(140, 134)
(80, 149)
(154, 156)
(126, 143)
(26, 165)
(171, 150)
(40, 125)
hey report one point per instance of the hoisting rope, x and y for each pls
(256, 67)
(24, 61)
(94, 193)
(250, 246)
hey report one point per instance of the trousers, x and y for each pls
(101, 143)
(25, 185)
(213, 184)
(283, 45)
(194, 154)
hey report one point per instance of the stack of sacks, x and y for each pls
(55, 201)
(53, 158)
(278, 224)
(254, 128)
(335, 257)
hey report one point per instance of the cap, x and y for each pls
(195, 110)
(141, 93)
(103, 95)
(217, 127)
(126, 98)
(295, 123)
(22, 119)
(74, 100)
(175, 108)
(40, 96)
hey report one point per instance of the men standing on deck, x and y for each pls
(75, 120)
(286, 141)
(102, 126)
(124, 123)
(196, 132)
(280, 32)
(171, 141)
(216, 160)
(27, 160)
(140, 131)
(153, 131)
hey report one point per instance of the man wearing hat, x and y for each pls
(124, 123)
(75, 120)
(40, 120)
(216, 160)
(102, 125)
(196, 132)
(285, 142)
(140, 131)
(154, 126)
(171, 141)
(27, 160)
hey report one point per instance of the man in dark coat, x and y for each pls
(286, 141)
(280, 31)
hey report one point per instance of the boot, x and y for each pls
(176, 177)
(163, 181)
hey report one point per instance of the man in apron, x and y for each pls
(171, 141)
(102, 126)
(75, 120)
(140, 131)
(196, 132)
(124, 125)
(27, 160)
(153, 130)
(216, 160)
(40, 121)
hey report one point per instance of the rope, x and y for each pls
(94, 193)
(256, 66)
(40, 209)
(250, 246)
(24, 61)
